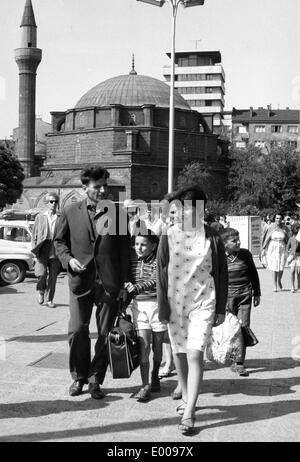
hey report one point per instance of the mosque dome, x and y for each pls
(131, 90)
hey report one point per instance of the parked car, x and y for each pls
(15, 250)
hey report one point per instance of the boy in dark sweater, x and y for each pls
(243, 284)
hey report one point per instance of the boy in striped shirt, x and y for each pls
(145, 311)
(243, 284)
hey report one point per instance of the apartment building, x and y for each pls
(266, 128)
(200, 79)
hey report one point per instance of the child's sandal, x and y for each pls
(181, 408)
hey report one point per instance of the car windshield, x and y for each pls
(14, 233)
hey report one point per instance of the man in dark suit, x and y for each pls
(94, 250)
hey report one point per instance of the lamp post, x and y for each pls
(174, 5)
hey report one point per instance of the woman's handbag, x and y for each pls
(123, 347)
(249, 337)
(225, 344)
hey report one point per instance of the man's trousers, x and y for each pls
(81, 307)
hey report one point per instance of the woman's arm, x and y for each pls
(162, 279)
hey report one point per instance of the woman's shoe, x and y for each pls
(187, 426)
(176, 395)
(181, 408)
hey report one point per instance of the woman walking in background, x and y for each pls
(192, 292)
(274, 244)
(293, 248)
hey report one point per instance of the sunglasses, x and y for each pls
(53, 202)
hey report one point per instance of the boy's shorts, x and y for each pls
(145, 316)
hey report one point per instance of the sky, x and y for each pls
(85, 42)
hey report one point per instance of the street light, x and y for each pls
(174, 5)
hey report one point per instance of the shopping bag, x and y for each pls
(123, 347)
(249, 337)
(225, 343)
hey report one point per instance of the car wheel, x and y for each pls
(12, 272)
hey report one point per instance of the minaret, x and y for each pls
(28, 58)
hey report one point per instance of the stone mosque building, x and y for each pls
(120, 124)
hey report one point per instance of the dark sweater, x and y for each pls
(242, 274)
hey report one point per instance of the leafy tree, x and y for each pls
(259, 182)
(11, 177)
(196, 172)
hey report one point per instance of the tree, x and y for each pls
(196, 172)
(259, 182)
(11, 177)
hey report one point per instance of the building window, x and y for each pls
(260, 128)
(277, 144)
(208, 102)
(196, 102)
(132, 119)
(276, 128)
(259, 144)
(183, 62)
(155, 187)
(292, 144)
(242, 129)
(293, 129)
(240, 144)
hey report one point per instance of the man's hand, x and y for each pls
(256, 300)
(219, 319)
(76, 266)
(129, 287)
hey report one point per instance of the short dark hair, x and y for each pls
(93, 173)
(227, 233)
(150, 236)
(191, 192)
(279, 214)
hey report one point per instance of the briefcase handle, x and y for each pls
(121, 312)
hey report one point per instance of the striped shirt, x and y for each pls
(143, 276)
(242, 274)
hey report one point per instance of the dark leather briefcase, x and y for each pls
(123, 347)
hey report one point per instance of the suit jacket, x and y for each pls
(219, 273)
(102, 249)
(41, 243)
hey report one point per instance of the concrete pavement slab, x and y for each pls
(34, 381)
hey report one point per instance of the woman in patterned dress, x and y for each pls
(274, 244)
(192, 291)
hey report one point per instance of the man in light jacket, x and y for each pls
(47, 266)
